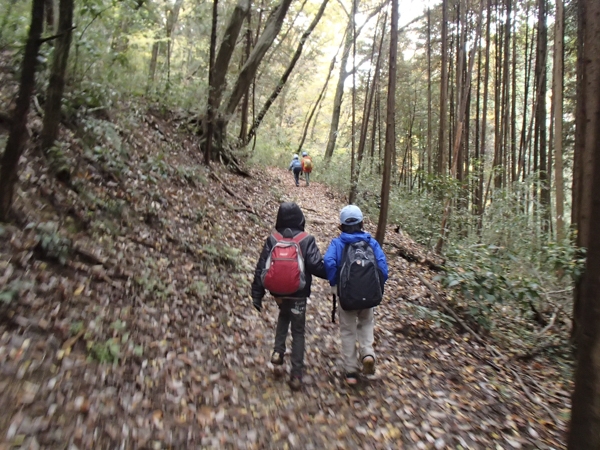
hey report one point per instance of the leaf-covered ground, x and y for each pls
(126, 322)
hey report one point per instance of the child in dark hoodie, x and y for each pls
(292, 308)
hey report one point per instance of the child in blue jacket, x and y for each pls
(355, 325)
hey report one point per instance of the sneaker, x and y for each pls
(295, 382)
(368, 365)
(351, 379)
(277, 359)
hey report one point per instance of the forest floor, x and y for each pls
(126, 320)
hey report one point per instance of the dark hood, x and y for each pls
(290, 216)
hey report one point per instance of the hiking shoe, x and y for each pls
(295, 382)
(368, 365)
(351, 379)
(277, 359)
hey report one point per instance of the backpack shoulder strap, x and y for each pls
(277, 235)
(300, 237)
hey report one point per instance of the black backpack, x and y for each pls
(360, 285)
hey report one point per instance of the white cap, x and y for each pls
(351, 215)
(295, 157)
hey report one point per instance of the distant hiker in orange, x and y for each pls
(307, 166)
(288, 260)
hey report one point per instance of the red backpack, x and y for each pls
(284, 271)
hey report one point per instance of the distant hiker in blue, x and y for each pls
(357, 270)
(296, 168)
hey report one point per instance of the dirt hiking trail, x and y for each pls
(127, 322)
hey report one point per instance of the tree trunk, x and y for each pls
(317, 103)
(246, 99)
(374, 131)
(253, 85)
(227, 47)
(339, 93)
(587, 108)
(442, 161)
(476, 156)
(56, 85)
(513, 111)
(390, 131)
(498, 106)
(527, 77)
(153, 62)
(585, 418)
(211, 104)
(172, 16)
(464, 96)
(558, 114)
(286, 74)
(542, 52)
(486, 81)
(460, 82)
(276, 48)
(258, 52)
(429, 112)
(369, 95)
(49, 12)
(506, 94)
(353, 181)
(18, 132)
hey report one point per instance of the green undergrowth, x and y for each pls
(506, 277)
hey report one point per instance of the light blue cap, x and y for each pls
(351, 215)
(304, 153)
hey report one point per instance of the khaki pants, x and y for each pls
(356, 326)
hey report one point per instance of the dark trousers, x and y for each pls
(292, 311)
(297, 175)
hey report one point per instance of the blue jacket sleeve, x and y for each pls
(331, 263)
(380, 256)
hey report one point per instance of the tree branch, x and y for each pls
(56, 36)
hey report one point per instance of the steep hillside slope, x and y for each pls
(126, 321)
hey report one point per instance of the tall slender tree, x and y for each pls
(442, 158)
(390, 126)
(429, 107)
(56, 84)
(212, 92)
(541, 114)
(584, 430)
(344, 73)
(287, 73)
(369, 96)
(18, 132)
(246, 100)
(482, 143)
(585, 133)
(464, 96)
(313, 110)
(557, 98)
